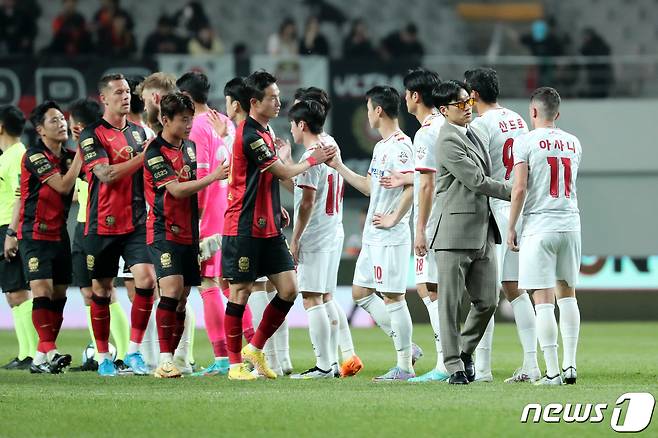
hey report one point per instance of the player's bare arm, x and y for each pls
(519, 191)
(425, 192)
(303, 218)
(361, 183)
(110, 173)
(392, 219)
(287, 171)
(396, 179)
(63, 184)
(186, 189)
(11, 242)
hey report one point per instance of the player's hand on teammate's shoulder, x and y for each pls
(221, 172)
(218, 124)
(393, 180)
(324, 154)
(283, 150)
(512, 241)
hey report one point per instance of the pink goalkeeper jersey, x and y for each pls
(211, 150)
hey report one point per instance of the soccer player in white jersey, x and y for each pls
(503, 127)
(317, 203)
(418, 85)
(384, 258)
(546, 163)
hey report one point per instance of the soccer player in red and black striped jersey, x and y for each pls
(47, 178)
(253, 244)
(173, 218)
(112, 150)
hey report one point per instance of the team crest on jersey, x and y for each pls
(110, 220)
(33, 264)
(243, 264)
(383, 160)
(403, 157)
(421, 151)
(137, 137)
(165, 260)
(90, 262)
(262, 222)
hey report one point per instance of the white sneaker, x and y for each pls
(336, 369)
(521, 376)
(184, 367)
(556, 380)
(569, 376)
(313, 373)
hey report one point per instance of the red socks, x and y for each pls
(273, 316)
(140, 313)
(178, 330)
(100, 322)
(165, 318)
(247, 318)
(233, 329)
(42, 318)
(58, 314)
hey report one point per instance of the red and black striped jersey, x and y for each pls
(254, 206)
(168, 218)
(43, 211)
(117, 208)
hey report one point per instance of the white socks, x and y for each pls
(334, 328)
(483, 351)
(377, 309)
(281, 338)
(547, 335)
(433, 311)
(526, 327)
(569, 329)
(183, 349)
(149, 347)
(320, 332)
(258, 301)
(402, 330)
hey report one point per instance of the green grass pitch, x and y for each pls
(613, 359)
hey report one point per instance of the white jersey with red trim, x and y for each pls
(392, 153)
(326, 222)
(553, 157)
(328, 140)
(425, 156)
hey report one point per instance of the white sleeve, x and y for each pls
(403, 161)
(424, 151)
(310, 178)
(521, 149)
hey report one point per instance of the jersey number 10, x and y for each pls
(555, 178)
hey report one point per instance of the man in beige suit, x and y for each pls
(466, 231)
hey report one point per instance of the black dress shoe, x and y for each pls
(469, 366)
(458, 378)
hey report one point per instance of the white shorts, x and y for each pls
(318, 271)
(383, 268)
(508, 260)
(548, 257)
(426, 269)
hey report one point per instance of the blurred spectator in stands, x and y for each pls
(164, 39)
(358, 44)
(104, 22)
(70, 33)
(599, 74)
(191, 18)
(284, 42)
(205, 42)
(120, 41)
(402, 44)
(18, 26)
(241, 53)
(313, 42)
(543, 42)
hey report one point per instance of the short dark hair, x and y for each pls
(549, 100)
(86, 111)
(175, 103)
(195, 84)
(423, 82)
(12, 120)
(484, 80)
(136, 102)
(386, 97)
(257, 82)
(448, 91)
(236, 90)
(310, 111)
(104, 81)
(38, 114)
(316, 94)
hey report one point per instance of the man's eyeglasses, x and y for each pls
(462, 105)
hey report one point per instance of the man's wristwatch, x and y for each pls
(11, 233)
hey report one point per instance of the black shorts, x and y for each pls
(43, 260)
(81, 276)
(12, 277)
(244, 259)
(103, 252)
(170, 258)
